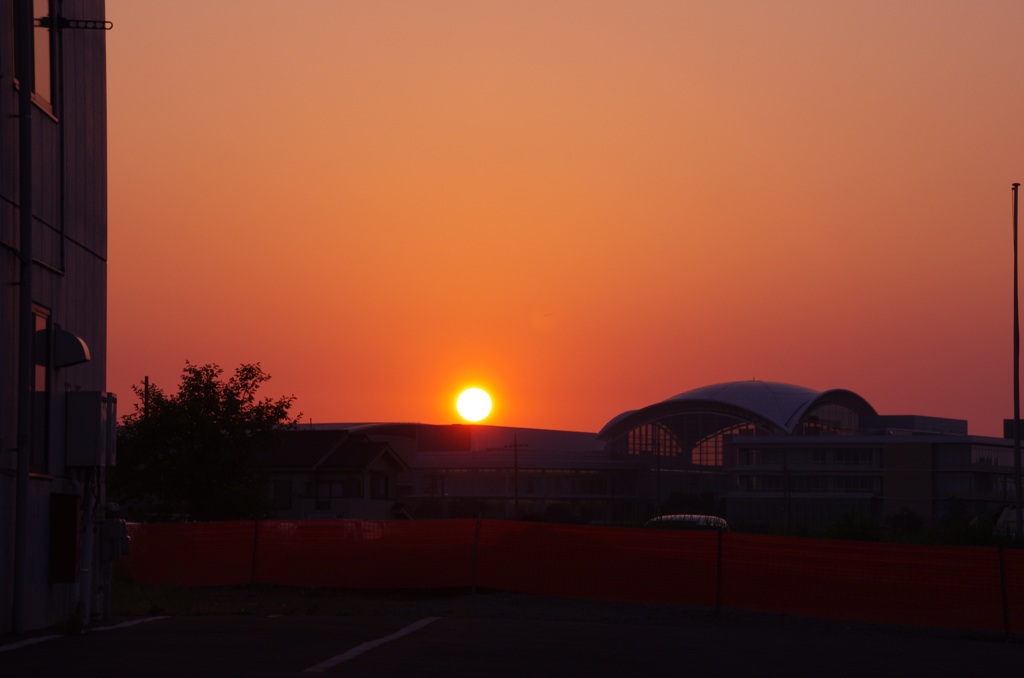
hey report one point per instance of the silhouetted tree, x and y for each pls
(199, 454)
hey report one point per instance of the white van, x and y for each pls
(688, 521)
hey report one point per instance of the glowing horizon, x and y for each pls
(588, 207)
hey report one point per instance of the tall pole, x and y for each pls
(515, 481)
(657, 474)
(515, 471)
(1016, 375)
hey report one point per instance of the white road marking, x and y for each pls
(369, 645)
(126, 624)
(40, 639)
(23, 643)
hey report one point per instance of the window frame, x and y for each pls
(47, 101)
(42, 396)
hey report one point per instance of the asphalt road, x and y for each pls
(504, 636)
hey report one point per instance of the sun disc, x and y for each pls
(473, 404)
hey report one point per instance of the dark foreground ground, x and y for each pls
(275, 632)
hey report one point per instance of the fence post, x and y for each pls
(1002, 590)
(476, 548)
(255, 541)
(718, 575)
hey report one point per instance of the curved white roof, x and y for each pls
(780, 404)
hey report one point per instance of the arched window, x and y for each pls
(654, 439)
(831, 419)
(708, 450)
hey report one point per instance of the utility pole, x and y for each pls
(515, 479)
(515, 472)
(656, 446)
(1019, 534)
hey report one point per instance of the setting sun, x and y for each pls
(473, 404)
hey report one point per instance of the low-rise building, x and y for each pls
(763, 455)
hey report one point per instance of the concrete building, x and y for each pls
(56, 419)
(763, 455)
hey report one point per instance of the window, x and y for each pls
(769, 457)
(281, 494)
(325, 491)
(952, 483)
(708, 450)
(39, 461)
(809, 483)
(346, 487)
(378, 485)
(856, 484)
(952, 455)
(762, 483)
(42, 44)
(987, 456)
(43, 48)
(854, 457)
(654, 439)
(829, 418)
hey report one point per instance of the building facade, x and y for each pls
(466, 470)
(771, 455)
(763, 455)
(57, 421)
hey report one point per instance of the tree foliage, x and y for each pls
(199, 454)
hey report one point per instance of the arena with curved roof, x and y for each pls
(760, 454)
(774, 454)
(699, 420)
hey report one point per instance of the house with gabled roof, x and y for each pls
(334, 474)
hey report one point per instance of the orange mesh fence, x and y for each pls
(373, 554)
(599, 562)
(190, 554)
(955, 587)
(1014, 569)
(937, 586)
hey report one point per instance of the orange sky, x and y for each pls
(584, 207)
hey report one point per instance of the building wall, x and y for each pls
(907, 479)
(68, 281)
(352, 494)
(579, 494)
